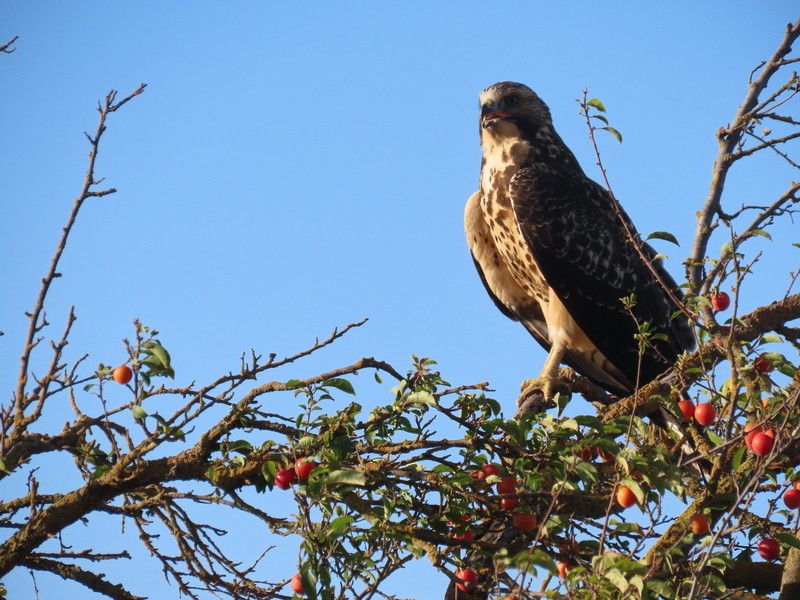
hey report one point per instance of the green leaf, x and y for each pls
(771, 338)
(346, 477)
(620, 527)
(343, 446)
(614, 132)
(269, 469)
(421, 398)
(714, 438)
(788, 539)
(340, 384)
(293, 384)
(309, 583)
(617, 578)
(138, 412)
(586, 472)
(100, 471)
(339, 526)
(306, 441)
(762, 233)
(787, 369)
(737, 459)
(589, 421)
(243, 447)
(663, 235)
(596, 103)
(721, 562)
(157, 359)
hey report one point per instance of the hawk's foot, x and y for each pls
(539, 394)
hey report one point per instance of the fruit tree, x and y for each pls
(528, 504)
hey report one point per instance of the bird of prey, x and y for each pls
(551, 248)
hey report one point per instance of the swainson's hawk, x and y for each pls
(552, 251)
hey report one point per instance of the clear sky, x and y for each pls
(292, 168)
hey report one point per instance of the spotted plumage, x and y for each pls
(552, 251)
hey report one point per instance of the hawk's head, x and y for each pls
(508, 103)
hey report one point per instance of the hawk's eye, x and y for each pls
(512, 100)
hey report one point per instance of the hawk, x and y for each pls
(551, 247)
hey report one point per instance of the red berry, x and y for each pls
(486, 471)
(720, 301)
(303, 468)
(490, 470)
(285, 478)
(791, 498)
(705, 413)
(525, 521)
(467, 578)
(687, 409)
(509, 503)
(763, 365)
(762, 443)
(750, 430)
(769, 548)
(604, 454)
(507, 485)
(122, 374)
(467, 536)
(297, 585)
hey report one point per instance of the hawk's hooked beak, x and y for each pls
(489, 116)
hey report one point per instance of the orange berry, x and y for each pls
(625, 496)
(687, 408)
(466, 579)
(562, 568)
(700, 525)
(122, 374)
(705, 413)
(297, 585)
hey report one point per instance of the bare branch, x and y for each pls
(96, 583)
(729, 139)
(20, 398)
(6, 48)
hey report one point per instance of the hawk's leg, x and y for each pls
(548, 384)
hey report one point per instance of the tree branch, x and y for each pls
(729, 138)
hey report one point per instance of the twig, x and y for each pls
(21, 403)
(729, 139)
(6, 48)
(633, 238)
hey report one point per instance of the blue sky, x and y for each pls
(292, 168)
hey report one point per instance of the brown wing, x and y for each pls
(514, 302)
(584, 255)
